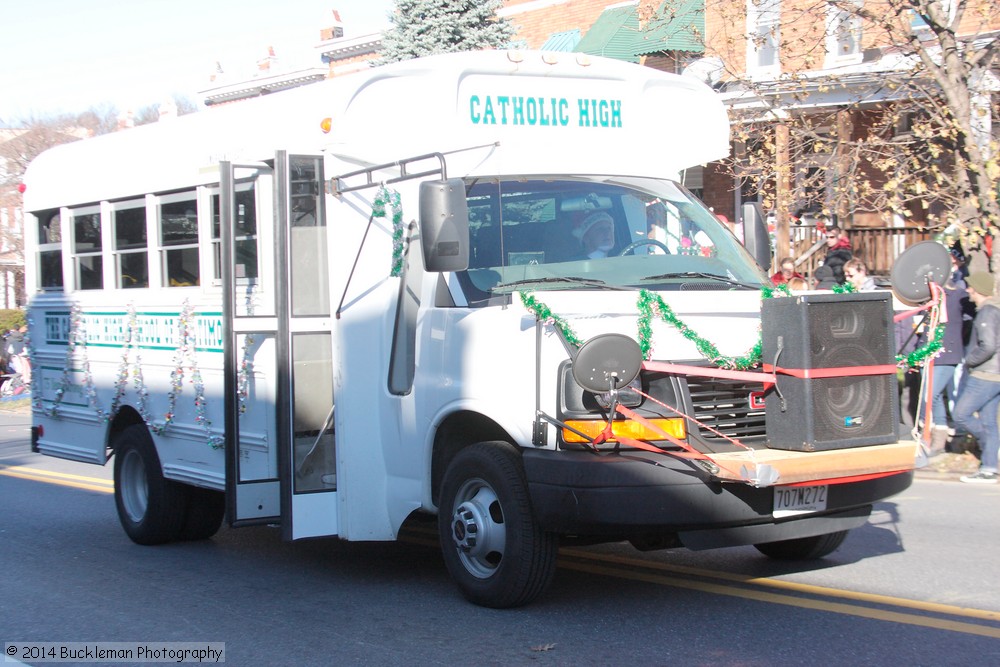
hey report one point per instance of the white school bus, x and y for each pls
(334, 307)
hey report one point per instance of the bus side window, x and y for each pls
(179, 241)
(50, 273)
(87, 260)
(131, 259)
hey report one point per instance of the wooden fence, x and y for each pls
(877, 247)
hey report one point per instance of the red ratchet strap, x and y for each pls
(680, 369)
(768, 376)
(630, 414)
(608, 434)
(840, 371)
(689, 452)
(936, 292)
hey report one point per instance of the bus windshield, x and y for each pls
(598, 233)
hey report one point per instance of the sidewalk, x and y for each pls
(949, 466)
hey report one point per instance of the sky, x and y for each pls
(67, 56)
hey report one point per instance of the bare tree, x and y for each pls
(22, 144)
(178, 105)
(895, 129)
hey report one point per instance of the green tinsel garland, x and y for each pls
(650, 304)
(543, 313)
(923, 353)
(391, 198)
(846, 288)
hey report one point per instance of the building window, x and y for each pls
(87, 261)
(50, 272)
(764, 32)
(179, 240)
(131, 260)
(843, 33)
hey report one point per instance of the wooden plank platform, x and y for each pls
(795, 467)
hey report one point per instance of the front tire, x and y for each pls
(492, 544)
(803, 548)
(151, 508)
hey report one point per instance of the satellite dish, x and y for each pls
(605, 362)
(919, 265)
(707, 70)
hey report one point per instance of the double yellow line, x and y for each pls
(60, 478)
(760, 589)
(806, 596)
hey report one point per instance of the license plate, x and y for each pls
(795, 500)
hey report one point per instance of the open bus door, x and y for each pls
(279, 359)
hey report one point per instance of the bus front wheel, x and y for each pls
(493, 546)
(150, 507)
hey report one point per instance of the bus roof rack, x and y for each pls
(338, 186)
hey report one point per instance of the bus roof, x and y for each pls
(539, 113)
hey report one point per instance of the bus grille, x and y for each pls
(724, 405)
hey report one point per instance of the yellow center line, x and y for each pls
(932, 607)
(776, 598)
(59, 478)
(595, 567)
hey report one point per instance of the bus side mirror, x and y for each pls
(444, 225)
(756, 239)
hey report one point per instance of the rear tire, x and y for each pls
(492, 544)
(151, 508)
(205, 511)
(803, 548)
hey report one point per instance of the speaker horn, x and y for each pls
(918, 266)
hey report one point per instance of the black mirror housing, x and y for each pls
(444, 225)
(756, 239)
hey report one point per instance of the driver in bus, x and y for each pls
(596, 234)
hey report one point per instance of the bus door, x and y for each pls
(250, 345)
(303, 371)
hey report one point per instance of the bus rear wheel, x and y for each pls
(803, 548)
(205, 511)
(151, 508)
(492, 544)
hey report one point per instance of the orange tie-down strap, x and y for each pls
(746, 471)
(838, 372)
(770, 372)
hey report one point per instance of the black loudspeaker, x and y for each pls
(830, 331)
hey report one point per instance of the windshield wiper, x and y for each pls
(706, 276)
(572, 280)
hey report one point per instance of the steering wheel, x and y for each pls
(635, 244)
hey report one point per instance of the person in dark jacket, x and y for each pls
(956, 301)
(838, 253)
(979, 398)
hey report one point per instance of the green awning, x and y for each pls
(678, 25)
(562, 41)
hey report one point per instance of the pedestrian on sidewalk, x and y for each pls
(956, 302)
(979, 398)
